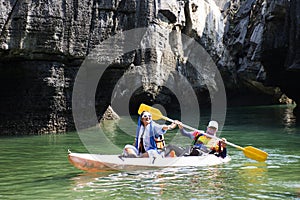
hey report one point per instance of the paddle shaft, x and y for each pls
(211, 136)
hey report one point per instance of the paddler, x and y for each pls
(147, 134)
(201, 142)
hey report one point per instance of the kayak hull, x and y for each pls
(98, 163)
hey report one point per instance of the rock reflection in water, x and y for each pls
(288, 118)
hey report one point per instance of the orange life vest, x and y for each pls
(160, 142)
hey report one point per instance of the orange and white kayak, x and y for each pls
(98, 163)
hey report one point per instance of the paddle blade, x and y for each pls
(156, 114)
(255, 154)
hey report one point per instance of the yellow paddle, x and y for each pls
(249, 151)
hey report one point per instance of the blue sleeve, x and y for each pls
(186, 133)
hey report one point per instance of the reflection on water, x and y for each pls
(178, 183)
(288, 117)
(254, 173)
(167, 183)
(37, 167)
(87, 179)
(289, 120)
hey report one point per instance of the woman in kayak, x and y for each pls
(146, 133)
(201, 142)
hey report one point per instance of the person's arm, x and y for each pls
(221, 149)
(223, 153)
(161, 129)
(169, 127)
(183, 131)
(186, 133)
(223, 142)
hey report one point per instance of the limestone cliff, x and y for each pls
(254, 43)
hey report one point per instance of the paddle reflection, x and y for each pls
(254, 173)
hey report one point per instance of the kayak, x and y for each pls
(98, 162)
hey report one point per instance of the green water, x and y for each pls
(36, 167)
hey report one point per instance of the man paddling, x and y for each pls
(201, 142)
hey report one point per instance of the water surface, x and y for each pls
(36, 167)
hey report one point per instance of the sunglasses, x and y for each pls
(211, 130)
(146, 116)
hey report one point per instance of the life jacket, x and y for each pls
(160, 142)
(199, 138)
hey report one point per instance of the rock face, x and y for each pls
(110, 114)
(280, 47)
(254, 43)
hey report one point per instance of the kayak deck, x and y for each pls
(98, 163)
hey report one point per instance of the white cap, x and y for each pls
(213, 124)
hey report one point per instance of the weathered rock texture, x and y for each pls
(255, 44)
(110, 114)
(262, 38)
(281, 45)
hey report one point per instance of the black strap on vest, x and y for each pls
(196, 138)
